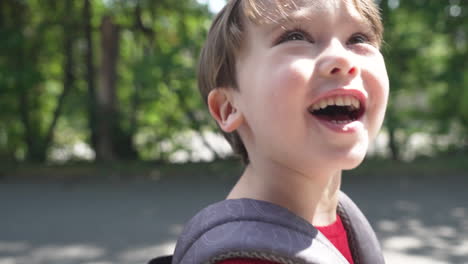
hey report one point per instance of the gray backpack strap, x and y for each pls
(363, 242)
(245, 228)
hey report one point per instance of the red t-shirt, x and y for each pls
(335, 232)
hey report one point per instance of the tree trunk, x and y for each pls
(68, 76)
(393, 144)
(106, 93)
(25, 121)
(92, 109)
(31, 129)
(2, 14)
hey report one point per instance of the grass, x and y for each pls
(454, 164)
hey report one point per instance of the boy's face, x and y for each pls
(312, 89)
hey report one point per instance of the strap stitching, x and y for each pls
(253, 255)
(351, 233)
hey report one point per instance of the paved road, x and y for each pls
(121, 221)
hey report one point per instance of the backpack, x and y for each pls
(247, 228)
(161, 260)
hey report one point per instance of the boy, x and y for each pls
(299, 88)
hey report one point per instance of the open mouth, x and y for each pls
(338, 109)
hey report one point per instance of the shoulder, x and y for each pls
(246, 228)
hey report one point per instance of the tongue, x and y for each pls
(336, 117)
(333, 113)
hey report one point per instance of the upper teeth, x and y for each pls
(342, 100)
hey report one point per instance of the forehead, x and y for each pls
(274, 12)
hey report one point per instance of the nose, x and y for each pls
(336, 61)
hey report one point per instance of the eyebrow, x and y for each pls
(310, 16)
(285, 22)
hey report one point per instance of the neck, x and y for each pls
(313, 197)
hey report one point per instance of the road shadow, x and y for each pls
(418, 219)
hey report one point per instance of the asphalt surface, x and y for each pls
(418, 220)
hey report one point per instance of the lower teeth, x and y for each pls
(341, 122)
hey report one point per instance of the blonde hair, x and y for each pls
(217, 64)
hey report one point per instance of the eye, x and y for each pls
(358, 38)
(294, 35)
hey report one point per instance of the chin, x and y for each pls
(352, 164)
(353, 158)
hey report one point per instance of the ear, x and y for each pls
(223, 110)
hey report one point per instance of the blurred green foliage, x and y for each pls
(48, 73)
(426, 55)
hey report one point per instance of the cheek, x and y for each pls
(277, 94)
(383, 84)
(289, 77)
(379, 89)
(287, 84)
